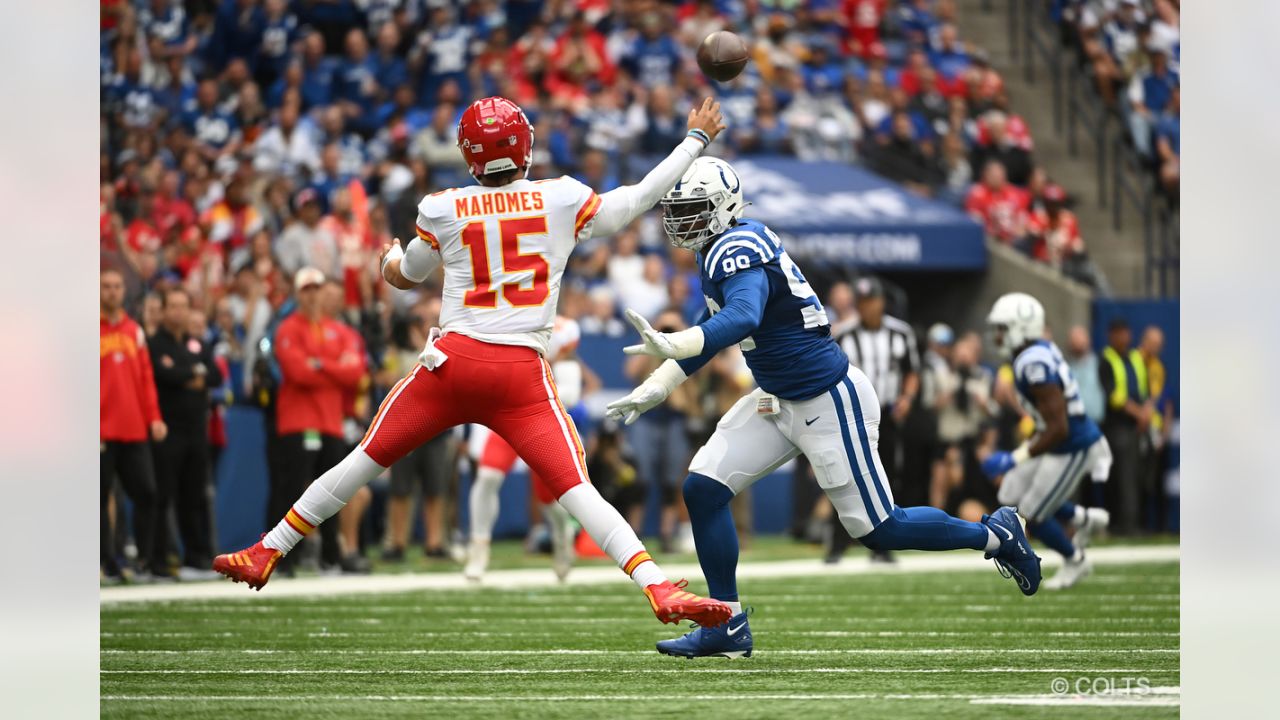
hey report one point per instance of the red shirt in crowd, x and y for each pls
(142, 236)
(128, 405)
(862, 18)
(319, 365)
(1003, 212)
(1055, 241)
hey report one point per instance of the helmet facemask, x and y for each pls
(690, 222)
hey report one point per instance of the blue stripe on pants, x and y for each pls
(853, 460)
(866, 445)
(1067, 472)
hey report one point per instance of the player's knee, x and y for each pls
(702, 493)
(888, 535)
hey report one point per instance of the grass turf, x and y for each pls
(898, 645)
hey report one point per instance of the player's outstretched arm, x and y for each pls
(620, 206)
(745, 295)
(406, 268)
(648, 394)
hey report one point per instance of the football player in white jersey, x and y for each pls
(503, 244)
(497, 457)
(1041, 475)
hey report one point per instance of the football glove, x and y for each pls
(676, 345)
(648, 394)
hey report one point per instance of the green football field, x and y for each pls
(897, 645)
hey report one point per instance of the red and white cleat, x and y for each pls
(253, 565)
(672, 603)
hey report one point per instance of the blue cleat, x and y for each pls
(730, 640)
(1015, 558)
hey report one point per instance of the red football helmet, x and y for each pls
(495, 136)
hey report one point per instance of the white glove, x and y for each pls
(648, 394)
(676, 345)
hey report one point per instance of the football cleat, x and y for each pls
(672, 603)
(730, 640)
(1095, 520)
(477, 560)
(1071, 573)
(1014, 559)
(253, 565)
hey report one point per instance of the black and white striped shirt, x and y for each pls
(887, 355)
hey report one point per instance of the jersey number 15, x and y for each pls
(475, 236)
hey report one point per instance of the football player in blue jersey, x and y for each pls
(1042, 473)
(810, 400)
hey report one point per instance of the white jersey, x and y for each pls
(504, 250)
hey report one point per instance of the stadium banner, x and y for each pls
(839, 214)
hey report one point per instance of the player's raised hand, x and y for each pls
(707, 118)
(674, 345)
(653, 342)
(645, 396)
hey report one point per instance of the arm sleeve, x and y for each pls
(745, 294)
(620, 206)
(348, 370)
(695, 363)
(911, 360)
(421, 257)
(1106, 379)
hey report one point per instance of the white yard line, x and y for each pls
(735, 670)
(1159, 700)
(620, 653)
(595, 575)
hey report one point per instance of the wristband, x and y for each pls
(397, 253)
(1021, 454)
(700, 135)
(669, 375)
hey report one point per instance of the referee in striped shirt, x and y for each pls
(884, 348)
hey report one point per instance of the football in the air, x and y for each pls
(722, 55)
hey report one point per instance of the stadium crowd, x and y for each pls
(257, 155)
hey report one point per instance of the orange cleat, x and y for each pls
(671, 603)
(252, 565)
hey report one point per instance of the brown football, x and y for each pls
(722, 55)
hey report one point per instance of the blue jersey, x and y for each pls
(1042, 363)
(790, 350)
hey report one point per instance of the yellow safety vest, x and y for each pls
(1120, 394)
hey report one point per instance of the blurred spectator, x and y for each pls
(884, 348)
(1160, 408)
(1084, 368)
(185, 370)
(961, 398)
(130, 416)
(1122, 374)
(660, 442)
(428, 469)
(1114, 53)
(1054, 231)
(998, 142)
(316, 365)
(1168, 134)
(306, 242)
(899, 157)
(354, 411)
(1149, 95)
(999, 206)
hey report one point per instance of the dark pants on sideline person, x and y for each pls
(1123, 491)
(131, 462)
(298, 467)
(182, 482)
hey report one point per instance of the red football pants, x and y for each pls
(507, 388)
(499, 455)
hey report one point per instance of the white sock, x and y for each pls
(736, 607)
(484, 502)
(993, 542)
(1081, 516)
(323, 499)
(612, 533)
